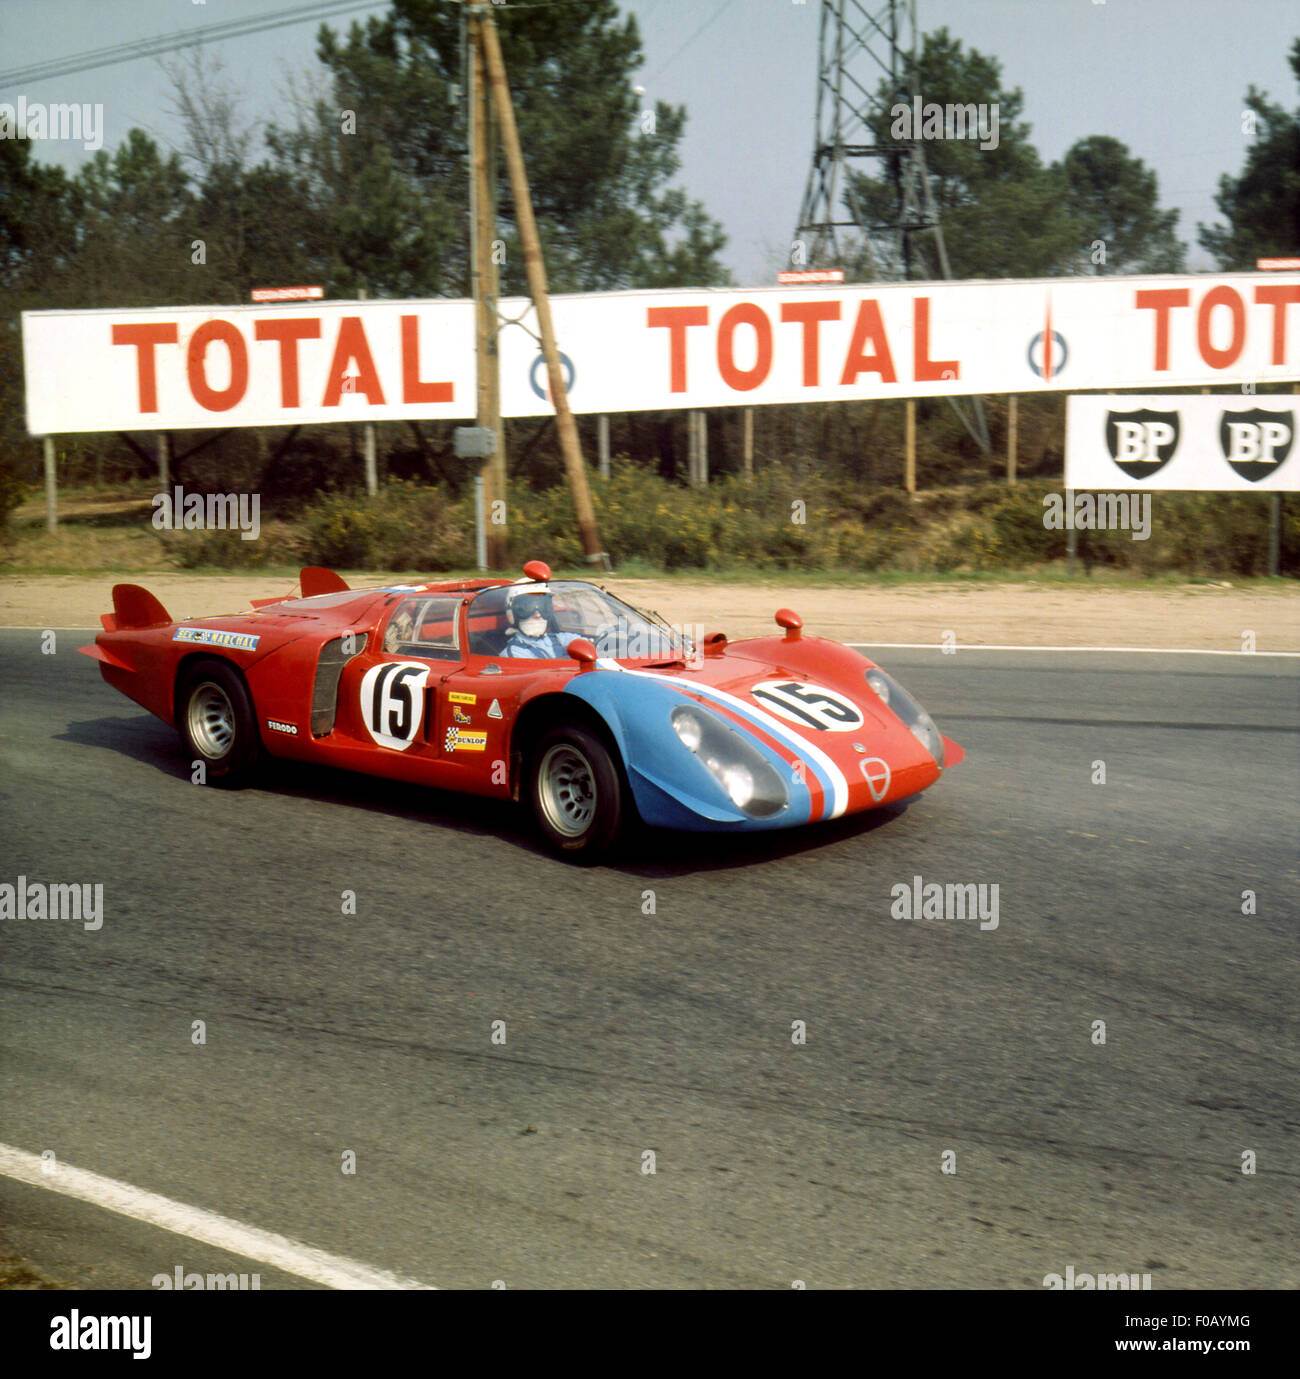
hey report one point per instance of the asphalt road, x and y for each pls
(670, 1032)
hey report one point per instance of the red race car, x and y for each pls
(550, 691)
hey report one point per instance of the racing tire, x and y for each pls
(576, 792)
(215, 718)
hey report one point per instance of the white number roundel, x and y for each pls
(392, 702)
(810, 706)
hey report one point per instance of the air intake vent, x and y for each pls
(333, 657)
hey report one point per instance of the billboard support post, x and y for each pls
(909, 448)
(1012, 428)
(368, 442)
(480, 535)
(51, 487)
(602, 443)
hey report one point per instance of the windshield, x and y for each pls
(540, 620)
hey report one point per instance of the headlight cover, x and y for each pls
(897, 699)
(740, 769)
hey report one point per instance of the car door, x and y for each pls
(394, 690)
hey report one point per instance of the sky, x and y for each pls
(1166, 77)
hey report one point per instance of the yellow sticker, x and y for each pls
(457, 740)
(463, 698)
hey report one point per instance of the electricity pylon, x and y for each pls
(866, 64)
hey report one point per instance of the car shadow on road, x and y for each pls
(646, 852)
(659, 853)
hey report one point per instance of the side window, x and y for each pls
(424, 626)
(487, 622)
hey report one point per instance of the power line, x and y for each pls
(169, 43)
(663, 66)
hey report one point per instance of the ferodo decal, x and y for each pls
(392, 702)
(810, 706)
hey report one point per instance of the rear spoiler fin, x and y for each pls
(135, 607)
(316, 579)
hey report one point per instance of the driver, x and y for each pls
(401, 627)
(530, 616)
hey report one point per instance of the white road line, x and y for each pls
(277, 1251)
(1136, 650)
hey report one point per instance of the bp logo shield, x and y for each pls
(1141, 443)
(1255, 443)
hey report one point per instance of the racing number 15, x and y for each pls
(392, 710)
(811, 704)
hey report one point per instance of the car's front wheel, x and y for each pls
(217, 724)
(576, 793)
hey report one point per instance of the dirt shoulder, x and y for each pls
(1192, 616)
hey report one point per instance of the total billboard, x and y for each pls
(288, 364)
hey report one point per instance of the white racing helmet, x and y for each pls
(526, 602)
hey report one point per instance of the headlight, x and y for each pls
(908, 710)
(751, 782)
(688, 729)
(739, 784)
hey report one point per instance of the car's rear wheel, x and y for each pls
(576, 793)
(217, 724)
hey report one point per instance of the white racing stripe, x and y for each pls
(771, 725)
(276, 1251)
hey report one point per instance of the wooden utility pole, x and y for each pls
(483, 145)
(487, 43)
